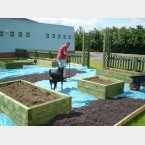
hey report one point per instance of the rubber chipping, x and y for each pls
(79, 99)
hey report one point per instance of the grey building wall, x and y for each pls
(37, 39)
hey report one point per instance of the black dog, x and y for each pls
(56, 77)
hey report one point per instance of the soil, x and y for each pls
(105, 112)
(99, 80)
(26, 94)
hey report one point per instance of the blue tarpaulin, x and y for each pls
(79, 99)
(70, 87)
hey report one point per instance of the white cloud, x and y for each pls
(86, 23)
(91, 23)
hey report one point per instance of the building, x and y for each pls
(28, 34)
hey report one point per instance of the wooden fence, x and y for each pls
(75, 57)
(125, 62)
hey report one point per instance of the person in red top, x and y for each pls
(61, 56)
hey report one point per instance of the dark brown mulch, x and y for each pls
(39, 77)
(99, 113)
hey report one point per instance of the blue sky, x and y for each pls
(91, 23)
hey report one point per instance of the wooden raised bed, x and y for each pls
(47, 62)
(36, 114)
(101, 87)
(10, 64)
(123, 75)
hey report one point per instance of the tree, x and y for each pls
(78, 39)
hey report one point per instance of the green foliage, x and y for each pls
(78, 39)
(124, 40)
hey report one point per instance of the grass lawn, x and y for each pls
(138, 120)
(95, 64)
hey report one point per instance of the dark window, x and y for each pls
(12, 34)
(47, 35)
(69, 36)
(20, 34)
(59, 36)
(1, 33)
(27, 34)
(53, 35)
(64, 36)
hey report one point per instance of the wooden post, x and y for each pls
(89, 51)
(136, 64)
(83, 49)
(104, 49)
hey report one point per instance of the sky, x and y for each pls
(91, 23)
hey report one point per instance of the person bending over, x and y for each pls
(62, 55)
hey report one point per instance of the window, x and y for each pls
(20, 34)
(59, 36)
(69, 36)
(12, 34)
(64, 36)
(27, 34)
(47, 35)
(1, 33)
(53, 35)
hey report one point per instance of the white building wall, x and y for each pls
(37, 39)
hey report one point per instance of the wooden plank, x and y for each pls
(22, 114)
(91, 85)
(18, 119)
(130, 116)
(60, 103)
(92, 92)
(41, 120)
(100, 90)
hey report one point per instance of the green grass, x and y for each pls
(137, 121)
(95, 64)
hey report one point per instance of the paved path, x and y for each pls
(96, 56)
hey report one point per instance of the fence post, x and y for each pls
(136, 64)
(104, 44)
(83, 49)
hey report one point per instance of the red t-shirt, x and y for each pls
(62, 50)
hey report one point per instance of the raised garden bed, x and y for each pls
(28, 104)
(47, 62)
(10, 64)
(101, 87)
(123, 75)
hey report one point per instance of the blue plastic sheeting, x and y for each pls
(6, 121)
(79, 99)
(132, 94)
(26, 70)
